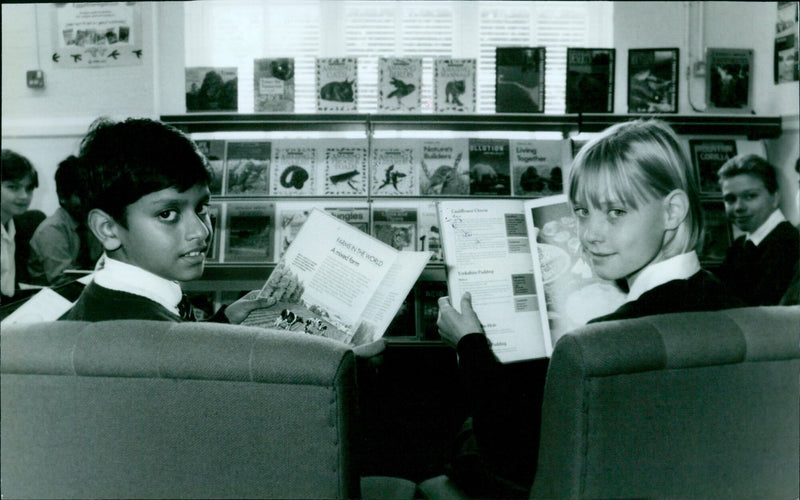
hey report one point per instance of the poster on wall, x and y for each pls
(729, 81)
(97, 35)
(653, 80)
(787, 56)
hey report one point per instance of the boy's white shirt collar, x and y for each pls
(117, 275)
(679, 267)
(764, 229)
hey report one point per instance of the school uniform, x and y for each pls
(759, 266)
(122, 291)
(58, 244)
(496, 451)
(7, 265)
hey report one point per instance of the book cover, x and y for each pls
(249, 229)
(346, 168)
(444, 167)
(399, 84)
(539, 166)
(212, 89)
(430, 237)
(729, 80)
(291, 215)
(338, 282)
(454, 85)
(708, 155)
(337, 84)
(247, 167)
(717, 232)
(273, 85)
(519, 79)
(356, 216)
(294, 168)
(396, 226)
(590, 80)
(653, 80)
(215, 213)
(394, 167)
(489, 168)
(572, 293)
(214, 151)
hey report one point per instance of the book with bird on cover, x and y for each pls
(399, 84)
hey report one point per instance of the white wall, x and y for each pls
(46, 125)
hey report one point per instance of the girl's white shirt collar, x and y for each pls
(764, 229)
(117, 275)
(680, 267)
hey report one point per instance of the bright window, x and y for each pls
(235, 32)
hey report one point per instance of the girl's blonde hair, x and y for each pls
(636, 162)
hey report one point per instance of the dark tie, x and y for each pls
(185, 309)
(748, 248)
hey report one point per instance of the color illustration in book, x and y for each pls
(519, 79)
(212, 89)
(247, 167)
(653, 81)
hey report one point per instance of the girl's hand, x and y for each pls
(454, 325)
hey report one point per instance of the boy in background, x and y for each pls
(147, 195)
(62, 241)
(18, 179)
(760, 264)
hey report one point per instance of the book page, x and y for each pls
(487, 253)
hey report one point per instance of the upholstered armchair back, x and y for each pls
(156, 409)
(693, 405)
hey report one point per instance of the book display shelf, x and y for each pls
(385, 172)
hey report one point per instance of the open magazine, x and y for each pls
(521, 262)
(338, 282)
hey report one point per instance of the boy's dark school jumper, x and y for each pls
(760, 275)
(496, 453)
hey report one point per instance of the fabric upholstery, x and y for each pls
(144, 409)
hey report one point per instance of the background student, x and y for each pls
(639, 222)
(147, 195)
(760, 264)
(63, 240)
(18, 179)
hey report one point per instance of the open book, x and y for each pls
(339, 282)
(521, 262)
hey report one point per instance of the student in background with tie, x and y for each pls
(62, 241)
(147, 195)
(759, 265)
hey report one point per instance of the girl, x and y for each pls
(636, 201)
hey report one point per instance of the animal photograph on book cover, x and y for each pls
(454, 85)
(444, 167)
(294, 168)
(519, 79)
(273, 85)
(538, 166)
(346, 169)
(708, 155)
(212, 89)
(399, 84)
(489, 169)
(337, 84)
(214, 151)
(395, 226)
(249, 228)
(653, 80)
(590, 80)
(247, 167)
(729, 80)
(394, 170)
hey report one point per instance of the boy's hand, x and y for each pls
(238, 311)
(454, 325)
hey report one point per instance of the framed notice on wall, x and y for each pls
(96, 34)
(653, 80)
(729, 80)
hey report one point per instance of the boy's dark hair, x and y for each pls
(14, 166)
(753, 165)
(124, 161)
(69, 178)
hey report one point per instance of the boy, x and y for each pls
(759, 265)
(147, 194)
(19, 179)
(63, 241)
